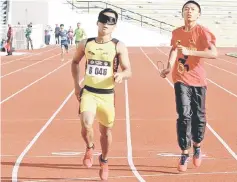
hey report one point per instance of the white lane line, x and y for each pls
(28, 147)
(36, 81)
(221, 69)
(8, 62)
(227, 61)
(129, 142)
(231, 93)
(28, 66)
(145, 175)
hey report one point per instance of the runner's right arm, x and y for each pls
(172, 58)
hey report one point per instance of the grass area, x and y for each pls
(232, 54)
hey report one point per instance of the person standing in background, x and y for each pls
(56, 32)
(9, 40)
(70, 35)
(28, 36)
(47, 34)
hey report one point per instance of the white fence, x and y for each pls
(19, 39)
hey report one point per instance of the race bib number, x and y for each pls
(99, 68)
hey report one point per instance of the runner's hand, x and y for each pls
(183, 50)
(118, 77)
(164, 72)
(77, 91)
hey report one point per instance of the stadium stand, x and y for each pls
(151, 15)
(219, 17)
(3, 17)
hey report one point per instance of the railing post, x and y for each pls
(160, 26)
(88, 7)
(141, 20)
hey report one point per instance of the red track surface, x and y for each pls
(150, 122)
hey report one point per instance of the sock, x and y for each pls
(195, 147)
(102, 160)
(93, 146)
(187, 155)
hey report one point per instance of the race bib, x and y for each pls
(99, 68)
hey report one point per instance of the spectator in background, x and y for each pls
(56, 32)
(28, 36)
(70, 35)
(47, 34)
(3, 45)
(9, 40)
(79, 33)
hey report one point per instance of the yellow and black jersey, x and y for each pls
(101, 63)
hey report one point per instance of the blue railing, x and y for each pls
(124, 14)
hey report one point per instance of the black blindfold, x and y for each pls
(107, 19)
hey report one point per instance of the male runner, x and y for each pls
(190, 44)
(64, 40)
(79, 34)
(103, 56)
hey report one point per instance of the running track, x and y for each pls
(41, 131)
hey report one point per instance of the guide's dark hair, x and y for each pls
(192, 2)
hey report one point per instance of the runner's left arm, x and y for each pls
(124, 60)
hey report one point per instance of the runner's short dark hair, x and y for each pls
(192, 2)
